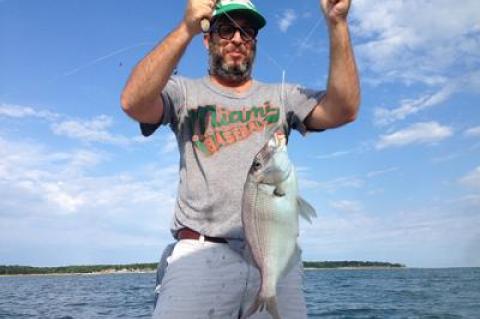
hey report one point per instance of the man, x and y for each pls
(221, 122)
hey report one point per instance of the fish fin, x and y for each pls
(254, 308)
(294, 259)
(269, 303)
(279, 191)
(306, 210)
(272, 307)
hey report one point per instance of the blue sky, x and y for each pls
(79, 185)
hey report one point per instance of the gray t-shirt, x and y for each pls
(219, 132)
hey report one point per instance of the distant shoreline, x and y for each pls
(8, 270)
(100, 273)
(355, 268)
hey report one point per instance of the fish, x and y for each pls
(271, 207)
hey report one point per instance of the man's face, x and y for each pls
(232, 48)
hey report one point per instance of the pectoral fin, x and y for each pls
(279, 191)
(305, 209)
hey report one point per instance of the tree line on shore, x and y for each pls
(144, 267)
(350, 264)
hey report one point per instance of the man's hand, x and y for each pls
(341, 102)
(335, 10)
(195, 12)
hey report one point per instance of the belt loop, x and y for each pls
(201, 238)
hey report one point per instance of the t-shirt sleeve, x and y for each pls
(173, 100)
(300, 102)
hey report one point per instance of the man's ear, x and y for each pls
(206, 40)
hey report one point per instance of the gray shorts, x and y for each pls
(209, 280)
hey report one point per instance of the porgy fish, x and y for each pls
(270, 212)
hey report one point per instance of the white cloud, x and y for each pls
(80, 159)
(95, 130)
(286, 19)
(49, 182)
(472, 179)
(446, 158)
(332, 185)
(340, 183)
(56, 193)
(347, 206)
(333, 155)
(473, 132)
(382, 172)
(170, 145)
(417, 41)
(384, 116)
(18, 111)
(418, 238)
(102, 215)
(419, 133)
(472, 200)
(28, 170)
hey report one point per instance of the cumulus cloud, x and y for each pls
(50, 193)
(419, 133)
(94, 130)
(41, 179)
(30, 171)
(101, 216)
(286, 20)
(417, 41)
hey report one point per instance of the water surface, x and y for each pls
(330, 294)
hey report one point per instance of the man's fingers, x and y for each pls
(205, 22)
(335, 9)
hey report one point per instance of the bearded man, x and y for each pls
(220, 122)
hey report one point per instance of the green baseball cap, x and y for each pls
(244, 7)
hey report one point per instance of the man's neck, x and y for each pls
(238, 87)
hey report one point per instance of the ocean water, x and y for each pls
(331, 294)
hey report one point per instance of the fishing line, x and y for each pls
(276, 63)
(303, 43)
(281, 68)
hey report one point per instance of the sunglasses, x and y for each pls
(227, 32)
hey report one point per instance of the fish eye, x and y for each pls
(257, 165)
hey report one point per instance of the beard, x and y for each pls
(236, 72)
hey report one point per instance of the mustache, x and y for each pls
(236, 48)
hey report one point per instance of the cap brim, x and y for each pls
(257, 20)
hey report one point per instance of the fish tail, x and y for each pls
(253, 308)
(268, 303)
(272, 307)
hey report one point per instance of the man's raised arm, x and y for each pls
(341, 102)
(141, 96)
